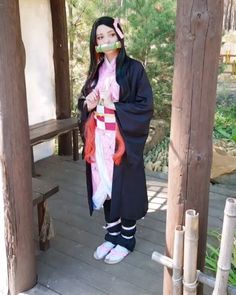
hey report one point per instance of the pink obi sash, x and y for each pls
(105, 118)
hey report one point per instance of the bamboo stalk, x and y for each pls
(225, 256)
(210, 281)
(206, 280)
(176, 263)
(178, 260)
(162, 259)
(190, 252)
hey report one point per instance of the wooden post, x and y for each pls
(234, 67)
(16, 218)
(61, 65)
(198, 40)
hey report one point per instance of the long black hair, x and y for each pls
(96, 59)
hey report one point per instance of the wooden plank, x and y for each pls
(37, 198)
(56, 124)
(78, 204)
(43, 188)
(70, 188)
(64, 212)
(48, 130)
(63, 283)
(78, 234)
(125, 270)
(73, 194)
(41, 124)
(153, 221)
(223, 189)
(39, 290)
(152, 177)
(73, 232)
(41, 192)
(101, 279)
(68, 181)
(16, 222)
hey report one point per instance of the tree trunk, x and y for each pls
(229, 15)
(226, 9)
(198, 39)
(120, 3)
(17, 267)
(61, 65)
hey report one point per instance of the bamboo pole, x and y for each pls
(190, 252)
(175, 263)
(224, 261)
(202, 277)
(162, 259)
(206, 280)
(210, 281)
(178, 260)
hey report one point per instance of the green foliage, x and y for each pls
(225, 115)
(221, 68)
(80, 16)
(159, 152)
(212, 256)
(149, 27)
(225, 122)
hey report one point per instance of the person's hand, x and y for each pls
(106, 98)
(92, 99)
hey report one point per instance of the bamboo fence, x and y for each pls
(185, 246)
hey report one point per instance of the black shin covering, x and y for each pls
(127, 238)
(126, 229)
(113, 232)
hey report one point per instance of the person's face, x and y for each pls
(105, 35)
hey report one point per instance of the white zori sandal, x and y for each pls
(116, 255)
(103, 250)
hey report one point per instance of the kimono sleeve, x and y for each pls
(134, 117)
(83, 115)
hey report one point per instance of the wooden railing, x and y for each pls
(229, 59)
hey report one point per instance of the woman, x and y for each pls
(116, 107)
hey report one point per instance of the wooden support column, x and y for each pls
(198, 40)
(61, 65)
(17, 262)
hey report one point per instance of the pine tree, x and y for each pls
(80, 15)
(149, 31)
(149, 28)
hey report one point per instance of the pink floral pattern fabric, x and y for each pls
(102, 167)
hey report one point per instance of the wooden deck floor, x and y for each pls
(68, 267)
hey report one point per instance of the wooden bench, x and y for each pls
(47, 130)
(42, 190)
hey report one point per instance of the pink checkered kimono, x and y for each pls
(105, 133)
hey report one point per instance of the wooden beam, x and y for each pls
(198, 40)
(61, 65)
(15, 159)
